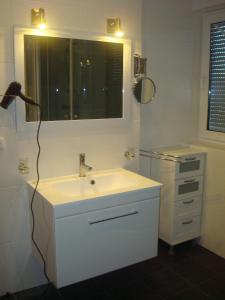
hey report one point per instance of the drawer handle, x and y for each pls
(189, 181)
(188, 202)
(190, 158)
(188, 222)
(113, 218)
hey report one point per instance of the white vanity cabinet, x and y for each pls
(97, 242)
(182, 193)
(81, 238)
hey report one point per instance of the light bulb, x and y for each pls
(42, 26)
(119, 33)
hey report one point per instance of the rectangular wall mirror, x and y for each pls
(73, 79)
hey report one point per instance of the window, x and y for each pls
(216, 99)
(212, 107)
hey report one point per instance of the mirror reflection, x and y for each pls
(144, 90)
(73, 79)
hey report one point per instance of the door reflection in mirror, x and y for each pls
(73, 78)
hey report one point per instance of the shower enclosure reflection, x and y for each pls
(73, 78)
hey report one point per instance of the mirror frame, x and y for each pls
(67, 125)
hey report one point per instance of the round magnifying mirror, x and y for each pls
(144, 90)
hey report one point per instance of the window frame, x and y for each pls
(204, 133)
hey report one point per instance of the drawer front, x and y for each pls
(190, 206)
(192, 165)
(187, 226)
(101, 241)
(188, 187)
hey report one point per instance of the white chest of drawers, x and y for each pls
(182, 193)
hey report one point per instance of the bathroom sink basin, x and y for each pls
(83, 193)
(95, 184)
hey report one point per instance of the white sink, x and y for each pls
(96, 183)
(92, 225)
(67, 189)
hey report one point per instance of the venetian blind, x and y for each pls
(216, 109)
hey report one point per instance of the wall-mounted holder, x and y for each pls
(140, 66)
(130, 154)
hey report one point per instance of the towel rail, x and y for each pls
(161, 156)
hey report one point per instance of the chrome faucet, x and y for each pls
(83, 167)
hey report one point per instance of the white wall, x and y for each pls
(104, 146)
(172, 44)
(205, 4)
(214, 205)
(168, 45)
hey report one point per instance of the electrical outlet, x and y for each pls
(23, 166)
(2, 143)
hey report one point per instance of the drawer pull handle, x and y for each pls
(188, 222)
(189, 181)
(188, 202)
(190, 158)
(113, 218)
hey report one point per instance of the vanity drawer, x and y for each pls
(104, 240)
(188, 187)
(191, 165)
(187, 226)
(190, 206)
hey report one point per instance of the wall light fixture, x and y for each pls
(38, 18)
(114, 27)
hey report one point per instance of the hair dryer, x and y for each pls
(12, 92)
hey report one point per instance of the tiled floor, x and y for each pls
(192, 273)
